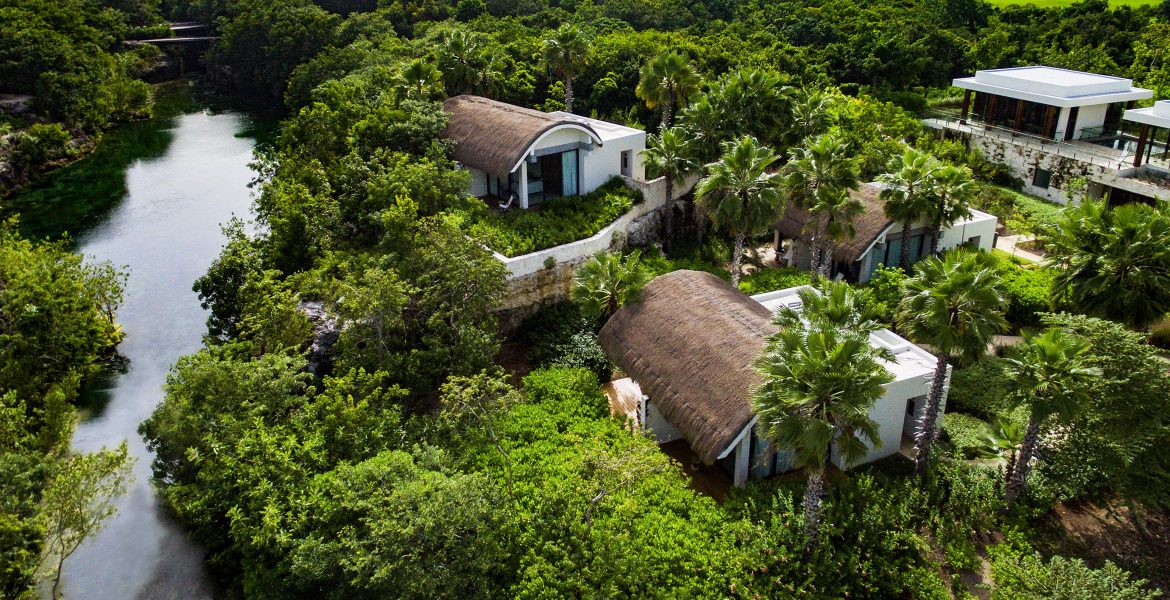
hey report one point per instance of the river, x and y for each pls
(152, 198)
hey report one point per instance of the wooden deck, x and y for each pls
(624, 396)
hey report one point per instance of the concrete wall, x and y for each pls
(479, 185)
(1088, 117)
(890, 414)
(1023, 156)
(664, 431)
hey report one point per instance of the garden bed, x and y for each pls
(553, 222)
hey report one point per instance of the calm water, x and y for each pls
(151, 198)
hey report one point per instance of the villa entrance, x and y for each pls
(552, 176)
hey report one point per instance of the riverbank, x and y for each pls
(151, 197)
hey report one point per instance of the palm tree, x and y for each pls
(467, 63)
(819, 383)
(420, 80)
(668, 80)
(706, 123)
(566, 52)
(755, 102)
(1115, 262)
(955, 305)
(951, 190)
(669, 154)
(1049, 374)
(810, 115)
(816, 178)
(831, 304)
(906, 193)
(836, 209)
(607, 282)
(739, 194)
(1002, 440)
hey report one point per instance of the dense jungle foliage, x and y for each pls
(406, 462)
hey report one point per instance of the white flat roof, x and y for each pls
(912, 361)
(608, 131)
(1157, 115)
(1053, 86)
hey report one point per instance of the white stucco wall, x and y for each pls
(980, 225)
(657, 424)
(1089, 116)
(600, 164)
(478, 186)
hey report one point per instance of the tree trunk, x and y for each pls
(814, 258)
(935, 234)
(814, 491)
(1019, 482)
(904, 260)
(736, 258)
(924, 437)
(1009, 470)
(666, 109)
(827, 258)
(668, 216)
(568, 94)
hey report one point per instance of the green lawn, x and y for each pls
(1062, 3)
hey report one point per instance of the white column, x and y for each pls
(524, 183)
(743, 459)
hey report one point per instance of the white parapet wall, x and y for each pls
(653, 198)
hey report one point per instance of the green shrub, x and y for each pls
(1022, 574)
(551, 326)
(980, 389)
(691, 258)
(582, 350)
(885, 291)
(964, 432)
(1028, 289)
(571, 393)
(554, 222)
(41, 143)
(768, 280)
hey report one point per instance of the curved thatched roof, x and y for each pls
(691, 343)
(869, 225)
(493, 136)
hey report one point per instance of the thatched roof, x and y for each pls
(868, 225)
(691, 343)
(493, 136)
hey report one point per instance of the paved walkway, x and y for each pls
(1010, 244)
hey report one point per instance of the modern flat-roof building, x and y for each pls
(1050, 125)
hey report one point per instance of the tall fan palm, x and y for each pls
(755, 102)
(467, 63)
(1116, 262)
(810, 115)
(816, 179)
(607, 282)
(1002, 440)
(739, 194)
(669, 154)
(420, 80)
(831, 304)
(819, 383)
(1049, 374)
(705, 121)
(667, 81)
(907, 193)
(955, 305)
(566, 52)
(951, 191)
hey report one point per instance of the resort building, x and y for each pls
(1053, 125)
(689, 347)
(877, 239)
(522, 157)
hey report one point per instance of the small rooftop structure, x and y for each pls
(494, 137)
(1053, 86)
(1157, 115)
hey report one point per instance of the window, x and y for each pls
(627, 158)
(1042, 178)
(973, 242)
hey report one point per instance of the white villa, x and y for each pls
(520, 156)
(878, 239)
(1051, 125)
(689, 346)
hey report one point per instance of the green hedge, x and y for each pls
(553, 222)
(693, 259)
(769, 280)
(1028, 289)
(964, 431)
(980, 389)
